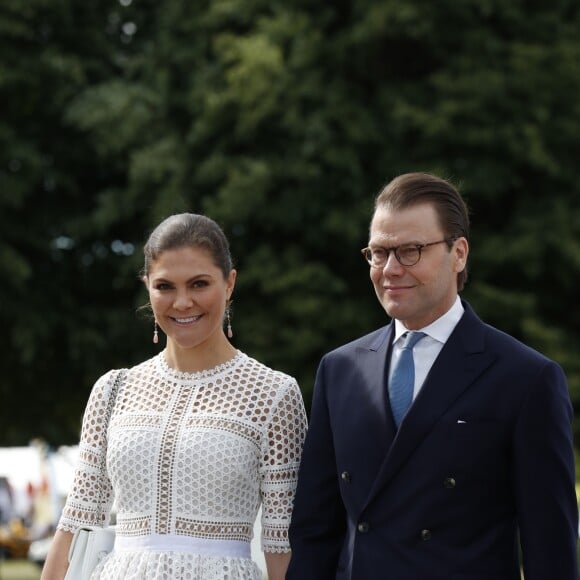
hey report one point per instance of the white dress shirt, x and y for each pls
(427, 349)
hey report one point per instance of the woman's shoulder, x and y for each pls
(105, 383)
(256, 370)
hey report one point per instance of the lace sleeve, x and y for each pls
(90, 484)
(281, 449)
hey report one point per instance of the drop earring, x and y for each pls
(228, 320)
(155, 334)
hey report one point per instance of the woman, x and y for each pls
(199, 435)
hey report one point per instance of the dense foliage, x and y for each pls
(281, 120)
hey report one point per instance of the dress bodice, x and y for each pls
(191, 454)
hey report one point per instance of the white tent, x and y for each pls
(38, 474)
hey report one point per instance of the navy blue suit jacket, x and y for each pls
(484, 454)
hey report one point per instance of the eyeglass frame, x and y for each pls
(395, 250)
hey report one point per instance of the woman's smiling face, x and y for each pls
(188, 295)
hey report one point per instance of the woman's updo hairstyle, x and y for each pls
(188, 230)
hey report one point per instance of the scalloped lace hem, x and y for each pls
(71, 528)
(277, 549)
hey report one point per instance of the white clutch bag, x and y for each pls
(89, 546)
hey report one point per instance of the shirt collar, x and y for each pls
(439, 329)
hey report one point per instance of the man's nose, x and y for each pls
(392, 264)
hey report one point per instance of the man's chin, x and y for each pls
(395, 309)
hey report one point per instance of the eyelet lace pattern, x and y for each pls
(190, 454)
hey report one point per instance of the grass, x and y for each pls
(18, 570)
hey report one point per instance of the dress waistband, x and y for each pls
(173, 543)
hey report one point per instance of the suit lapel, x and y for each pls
(458, 365)
(372, 365)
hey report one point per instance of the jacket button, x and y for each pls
(425, 535)
(363, 527)
(345, 476)
(449, 482)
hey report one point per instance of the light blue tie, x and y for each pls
(403, 379)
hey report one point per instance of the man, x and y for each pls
(477, 462)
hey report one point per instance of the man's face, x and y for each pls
(416, 295)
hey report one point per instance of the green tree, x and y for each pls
(281, 120)
(63, 286)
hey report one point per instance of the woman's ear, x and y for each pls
(231, 282)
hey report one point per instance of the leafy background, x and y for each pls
(281, 120)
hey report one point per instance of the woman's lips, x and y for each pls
(187, 320)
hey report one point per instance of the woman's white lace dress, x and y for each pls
(190, 457)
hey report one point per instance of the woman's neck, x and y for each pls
(199, 358)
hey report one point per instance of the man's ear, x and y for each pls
(461, 249)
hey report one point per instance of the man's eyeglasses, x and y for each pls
(406, 254)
